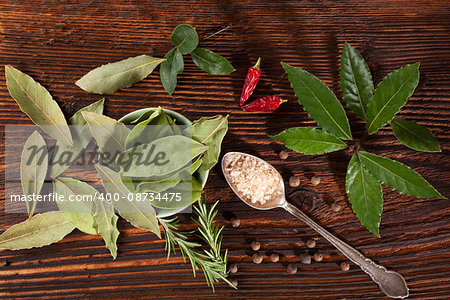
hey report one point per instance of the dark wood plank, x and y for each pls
(57, 42)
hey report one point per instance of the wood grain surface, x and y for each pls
(57, 41)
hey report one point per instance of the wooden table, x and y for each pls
(57, 41)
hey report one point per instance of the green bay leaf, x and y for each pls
(319, 102)
(309, 140)
(38, 104)
(106, 223)
(63, 156)
(390, 96)
(170, 69)
(140, 214)
(365, 195)
(159, 158)
(210, 131)
(41, 230)
(210, 62)
(414, 136)
(118, 75)
(397, 176)
(356, 81)
(79, 212)
(185, 37)
(33, 168)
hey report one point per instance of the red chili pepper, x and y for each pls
(253, 75)
(266, 103)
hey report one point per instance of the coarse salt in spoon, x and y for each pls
(259, 185)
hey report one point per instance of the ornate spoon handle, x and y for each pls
(390, 282)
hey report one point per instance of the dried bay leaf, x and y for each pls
(64, 156)
(144, 115)
(159, 125)
(38, 104)
(106, 223)
(118, 75)
(78, 212)
(210, 131)
(40, 230)
(109, 134)
(160, 157)
(33, 168)
(129, 183)
(139, 134)
(140, 214)
(158, 186)
(189, 192)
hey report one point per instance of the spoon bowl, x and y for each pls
(390, 282)
(273, 203)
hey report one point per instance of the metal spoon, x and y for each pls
(390, 282)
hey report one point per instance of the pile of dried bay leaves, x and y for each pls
(203, 137)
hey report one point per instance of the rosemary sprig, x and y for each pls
(210, 260)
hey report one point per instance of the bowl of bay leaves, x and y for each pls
(171, 126)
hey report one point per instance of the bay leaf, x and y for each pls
(309, 140)
(184, 194)
(210, 131)
(41, 230)
(356, 81)
(118, 75)
(158, 125)
(319, 102)
(79, 212)
(390, 96)
(185, 37)
(160, 157)
(128, 182)
(138, 135)
(109, 134)
(64, 156)
(365, 195)
(414, 136)
(170, 69)
(38, 104)
(106, 222)
(397, 176)
(163, 119)
(211, 62)
(33, 168)
(158, 186)
(144, 116)
(140, 214)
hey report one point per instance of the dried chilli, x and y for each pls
(266, 103)
(251, 80)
